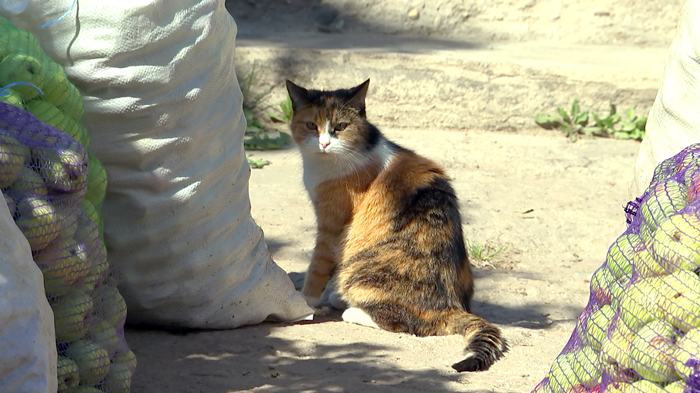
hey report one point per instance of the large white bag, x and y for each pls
(163, 108)
(674, 119)
(27, 339)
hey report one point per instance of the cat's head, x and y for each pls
(329, 123)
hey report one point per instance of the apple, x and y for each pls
(620, 254)
(111, 305)
(644, 386)
(12, 158)
(73, 106)
(97, 182)
(90, 210)
(20, 67)
(692, 180)
(55, 84)
(665, 198)
(118, 379)
(86, 389)
(561, 375)
(11, 204)
(64, 258)
(601, 282)
(653, 352)
(68, 217)
(38, 221)
(70, 313)
(92, 360)
(64, 169)
(617, 387)
(126, 357)
(675, 243)
(586, 367)
(597, 326)
(29, 182)
(12, 97)
(614, 356)
(679, 300)
(688, 348)
(103, 333)
(646, 265)
(676, 387)
(639, 303)
(67, 373)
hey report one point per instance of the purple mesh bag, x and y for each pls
(640, 331)
(43, 178)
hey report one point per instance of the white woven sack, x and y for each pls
(163, 108)
(27, 338)
(674, 119)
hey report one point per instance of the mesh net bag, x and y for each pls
(640, 331)
(54, 188)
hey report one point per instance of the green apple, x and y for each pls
(646, 265)
(666, 198)
(92, 360)
(617, 387)
(48, 113)
(614, 356)
(55, 83)
(86, 389)
(19, 67)
(67, 373)
(126, 357)
(29, 182)
(586, 367)
(639, 303)
(38, 221)
(688, 348)
(68, 217)
(12, 158)
(71, 312)
(104, 334)
(118, 379)
(14, 40)
(562, 376)
(64, 259)
(97, 182)
(90, 210)
(601, 283)
(73, 106)
(112, 306)
(11, 204)
(679, 299)
(645, 387)
(597, 326)
(676, 387)
(675, 243)
(620, 254)
(653, 352)
(64, 169)
(12, 97)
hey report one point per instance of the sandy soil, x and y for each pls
(555, 205)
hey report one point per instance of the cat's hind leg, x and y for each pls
(359, 317)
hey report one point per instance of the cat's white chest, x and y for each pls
(318, 171)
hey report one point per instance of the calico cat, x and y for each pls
(389, 227)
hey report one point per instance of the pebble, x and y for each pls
(413, 14)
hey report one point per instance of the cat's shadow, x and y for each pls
(528, 317)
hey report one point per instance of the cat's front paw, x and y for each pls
(313, 302)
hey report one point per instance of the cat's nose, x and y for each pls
(324, 145)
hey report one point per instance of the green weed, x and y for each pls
(575, 124)
(483, 252)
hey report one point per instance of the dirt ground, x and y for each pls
(557, 206)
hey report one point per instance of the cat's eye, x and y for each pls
(341, 126)
(310, 125)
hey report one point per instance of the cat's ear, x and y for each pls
(358, 95)
(299, 95)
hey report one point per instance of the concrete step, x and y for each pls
(455, 84)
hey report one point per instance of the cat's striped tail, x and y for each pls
(484, 342)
